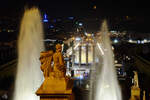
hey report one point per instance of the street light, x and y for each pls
(80, 24)
(115, 41)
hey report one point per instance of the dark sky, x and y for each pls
(76, 7)
(139, 10)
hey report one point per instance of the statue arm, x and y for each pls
(62, 67)
(45, 58)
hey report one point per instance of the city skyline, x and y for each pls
(76, 8)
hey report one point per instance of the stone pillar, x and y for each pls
(87, 54)
(135, 93)
(73, 56)
(80, 48)
(56, 89)
(93, 54)
(144, 98)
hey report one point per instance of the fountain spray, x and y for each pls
(30, 44)
(107, 87)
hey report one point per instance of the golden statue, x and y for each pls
(135, 90)
(46, 60)
(59, 67)
(58, 70)
(136, 81)
(54, 70)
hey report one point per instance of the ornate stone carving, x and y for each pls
(59, 67)
(46, 60)
(58, 70)
(136, 82)
(135, 90)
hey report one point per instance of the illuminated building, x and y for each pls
(82, 53)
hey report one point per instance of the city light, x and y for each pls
(45, 18)
(51, 26)
(85, 33)
(116, 61)
(80, 24)
(49, 40)
(145, 40)
(138, 41)
(142, 42)
(70, 18)
(94, 7)
(115, 41)
(78, 38)
(112, 48)
(112, 31)
(130, 40)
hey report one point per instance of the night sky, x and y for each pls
(138, 11)
(77, 7)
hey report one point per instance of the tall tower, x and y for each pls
(45, 23)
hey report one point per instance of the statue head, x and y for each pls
(135, 72)
(58, 47)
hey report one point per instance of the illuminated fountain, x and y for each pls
(107, 87)
(29, 76)
(30, 44)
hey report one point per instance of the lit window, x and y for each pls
(94, 7)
